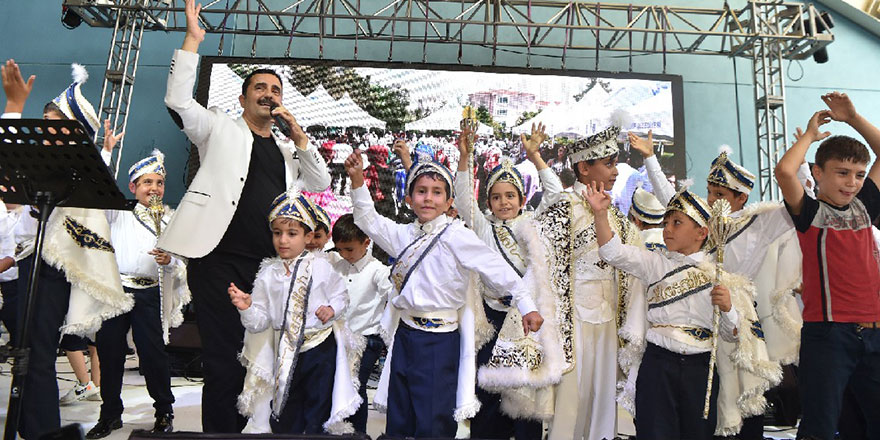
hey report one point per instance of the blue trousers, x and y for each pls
(490, 422)
(834, 355)
(368, 360)
(310, 394)
(670, 394)
(423, 383)
(145, 323)
(39, 406)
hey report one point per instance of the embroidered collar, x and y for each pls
(433, 226)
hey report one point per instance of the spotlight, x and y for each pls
(823, 22)
(69, 18)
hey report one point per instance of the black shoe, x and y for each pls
(104, 428)
(163, 424)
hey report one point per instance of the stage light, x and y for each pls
(69, 18)
(822, 23)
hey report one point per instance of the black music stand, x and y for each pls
(48, 163)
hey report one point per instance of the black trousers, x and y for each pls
(39, 408)
(368, 360)
(310, 394)
(490, 422)
(9, 312)
(145, 323)
(222, 335)
(670, 394)
(423, 383)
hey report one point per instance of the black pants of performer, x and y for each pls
(145, 323)
(39, 408)
(490, 422)
(310, 394)
(9, 312)
(423, 383)
(222, 335)
(833, 356)
(371, 355)
(670, 394)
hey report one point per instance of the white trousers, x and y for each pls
(585, 397)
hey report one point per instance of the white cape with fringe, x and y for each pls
(524, 368)
(77, 241)
(744, 373)
(258, 357)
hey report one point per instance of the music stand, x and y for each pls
(48, 163)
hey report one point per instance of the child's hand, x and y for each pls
(402, 151)
(721, 298)
(532, 321)
(354, 165)
(598, 199)
(841, 108)
(325, 313)
(532, 145)
(162, 258)
(110, 139)
(645, 146)
(400, 148)
(818, 119)
(462, 142)
(239, 299)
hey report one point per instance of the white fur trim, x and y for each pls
(79, 73)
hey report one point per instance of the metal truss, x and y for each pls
(765, 32)
(122, 62)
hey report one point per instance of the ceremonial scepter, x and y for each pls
(470, 124)
(156, 209)
(720, 228)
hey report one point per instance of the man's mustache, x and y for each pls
(267, 101)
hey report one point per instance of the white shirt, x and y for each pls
(695, 310)
(132, 242)
(440, 281)
(8, 221)
(269, 297)
(368, 290)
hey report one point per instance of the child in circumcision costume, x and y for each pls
(520, 368)
(270, 356)
(590, 295)
(669, 329)
(763, 247)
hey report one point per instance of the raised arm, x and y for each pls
(194, 33)
(194, 119)
(662, 189)
(15, 88)
(402, 151)
(787, 167)
(465, 201)
(843, 110)
(550, 182)
(383, 231)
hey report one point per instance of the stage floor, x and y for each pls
(187, 408)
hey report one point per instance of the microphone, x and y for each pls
(280, 122)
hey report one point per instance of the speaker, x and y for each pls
(141, 434)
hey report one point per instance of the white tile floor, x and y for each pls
(187, 408)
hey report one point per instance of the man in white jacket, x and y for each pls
(220, 224)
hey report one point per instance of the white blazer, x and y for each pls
(224, 145)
